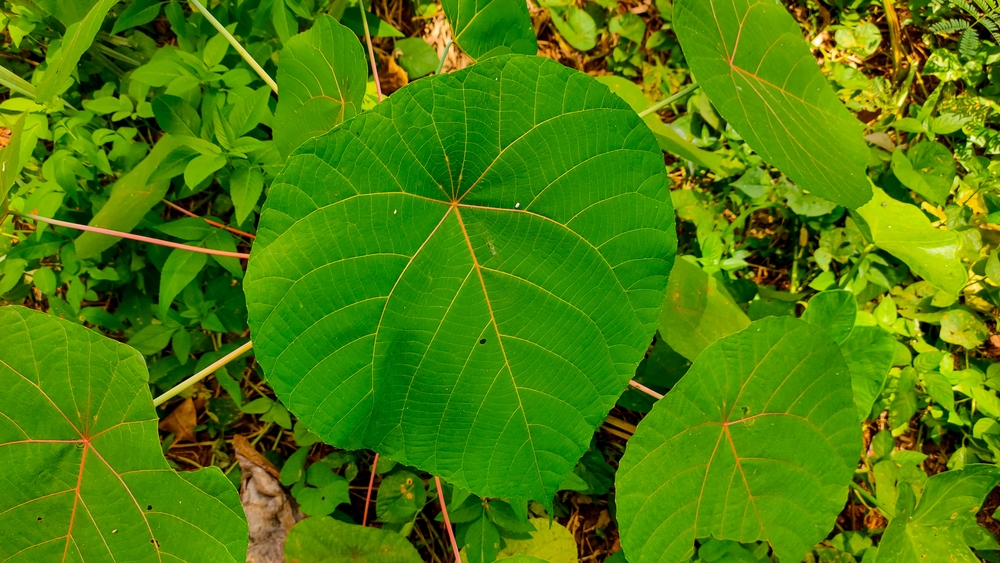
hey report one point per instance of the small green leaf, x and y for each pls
(285, 24)
(869, 352)
(75, 42)
(376, 25)
(485, 28)
(629, 26)
(401, 495)
(964, 328)
(482, 541)
(137, 13)
(904, 401)
(188, 228)
(551, 542)
(576, 27)
(10, 162)
(180, 269)
(936, 527)
(750, 58)
(905, 232)
(321, 77)
(835, 311)
(928, 168)
(152, 339)
(697, 311)
(325, 540)
(201, 167)
(757, 442)
(84, 476)
(246, 184)
(416, 57)
(45, 280)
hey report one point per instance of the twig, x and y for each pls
(645, 389)
(177, 389)
(173, 205)
(368, 496)
(371, 51)
(130, 236)
(236, 45)
(447, 521)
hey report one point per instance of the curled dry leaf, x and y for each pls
(269, 509)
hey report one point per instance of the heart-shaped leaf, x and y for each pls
(928, 168)
(935, 527)
(83, 475)
(757, 442)
(465, 278)
(835, 311)
(325, 540)
(487, 28)
(749, 56)
(321, 76)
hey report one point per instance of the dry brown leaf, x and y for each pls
(269, 509)
(181, 421)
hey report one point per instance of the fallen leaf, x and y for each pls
(268, 507)
(181, 421)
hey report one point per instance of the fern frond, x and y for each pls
(964, 4)
(969, 43)
(949, 26)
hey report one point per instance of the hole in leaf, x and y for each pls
(149, 507)
(482, 341)
(39, 518)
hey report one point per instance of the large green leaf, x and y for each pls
(487, 28)
(321, 76)
(749, 56)
(465, 278)
(932, 532)
(670, 141)
(81, 471)
(905, 232)
(697, 311)
(133, 195)
(325, 540)
(75, 43)
(757, 442)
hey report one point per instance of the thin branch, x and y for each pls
(371, 51)
(174, 206)
(371, 485)
(177, 389)
(130, 236)
(645, 389)
(447, 521)
(668, 100)
(236, 45)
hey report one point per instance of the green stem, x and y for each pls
(871, 500)
(177, 389)
(668, 100)
(236, 45)
(447, 47)
(854, 267)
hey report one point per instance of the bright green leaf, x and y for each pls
(751, 59)
(246, 184)
(322, 79)
(181, 268)
(905, 232)
(697, 311)
(934, 531)
(835, 311)
(576, 26)
(629, 26)
(45, 280)
(325, 540)
(401, 495)
(757, 442)
(964, 328)
(551, 542)
(137, 13)
(75, 42)
(928, 168)
(517, 263)
(201, 167)
(486, 28)
(669, 140)
(869, 352)
(376, 25)
(84, 478)
(416, 57)
(482, 541)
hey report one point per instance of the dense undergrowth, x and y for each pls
(164, 130)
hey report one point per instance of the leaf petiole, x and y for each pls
(236, 45)
(668, 100)
(177, 389)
